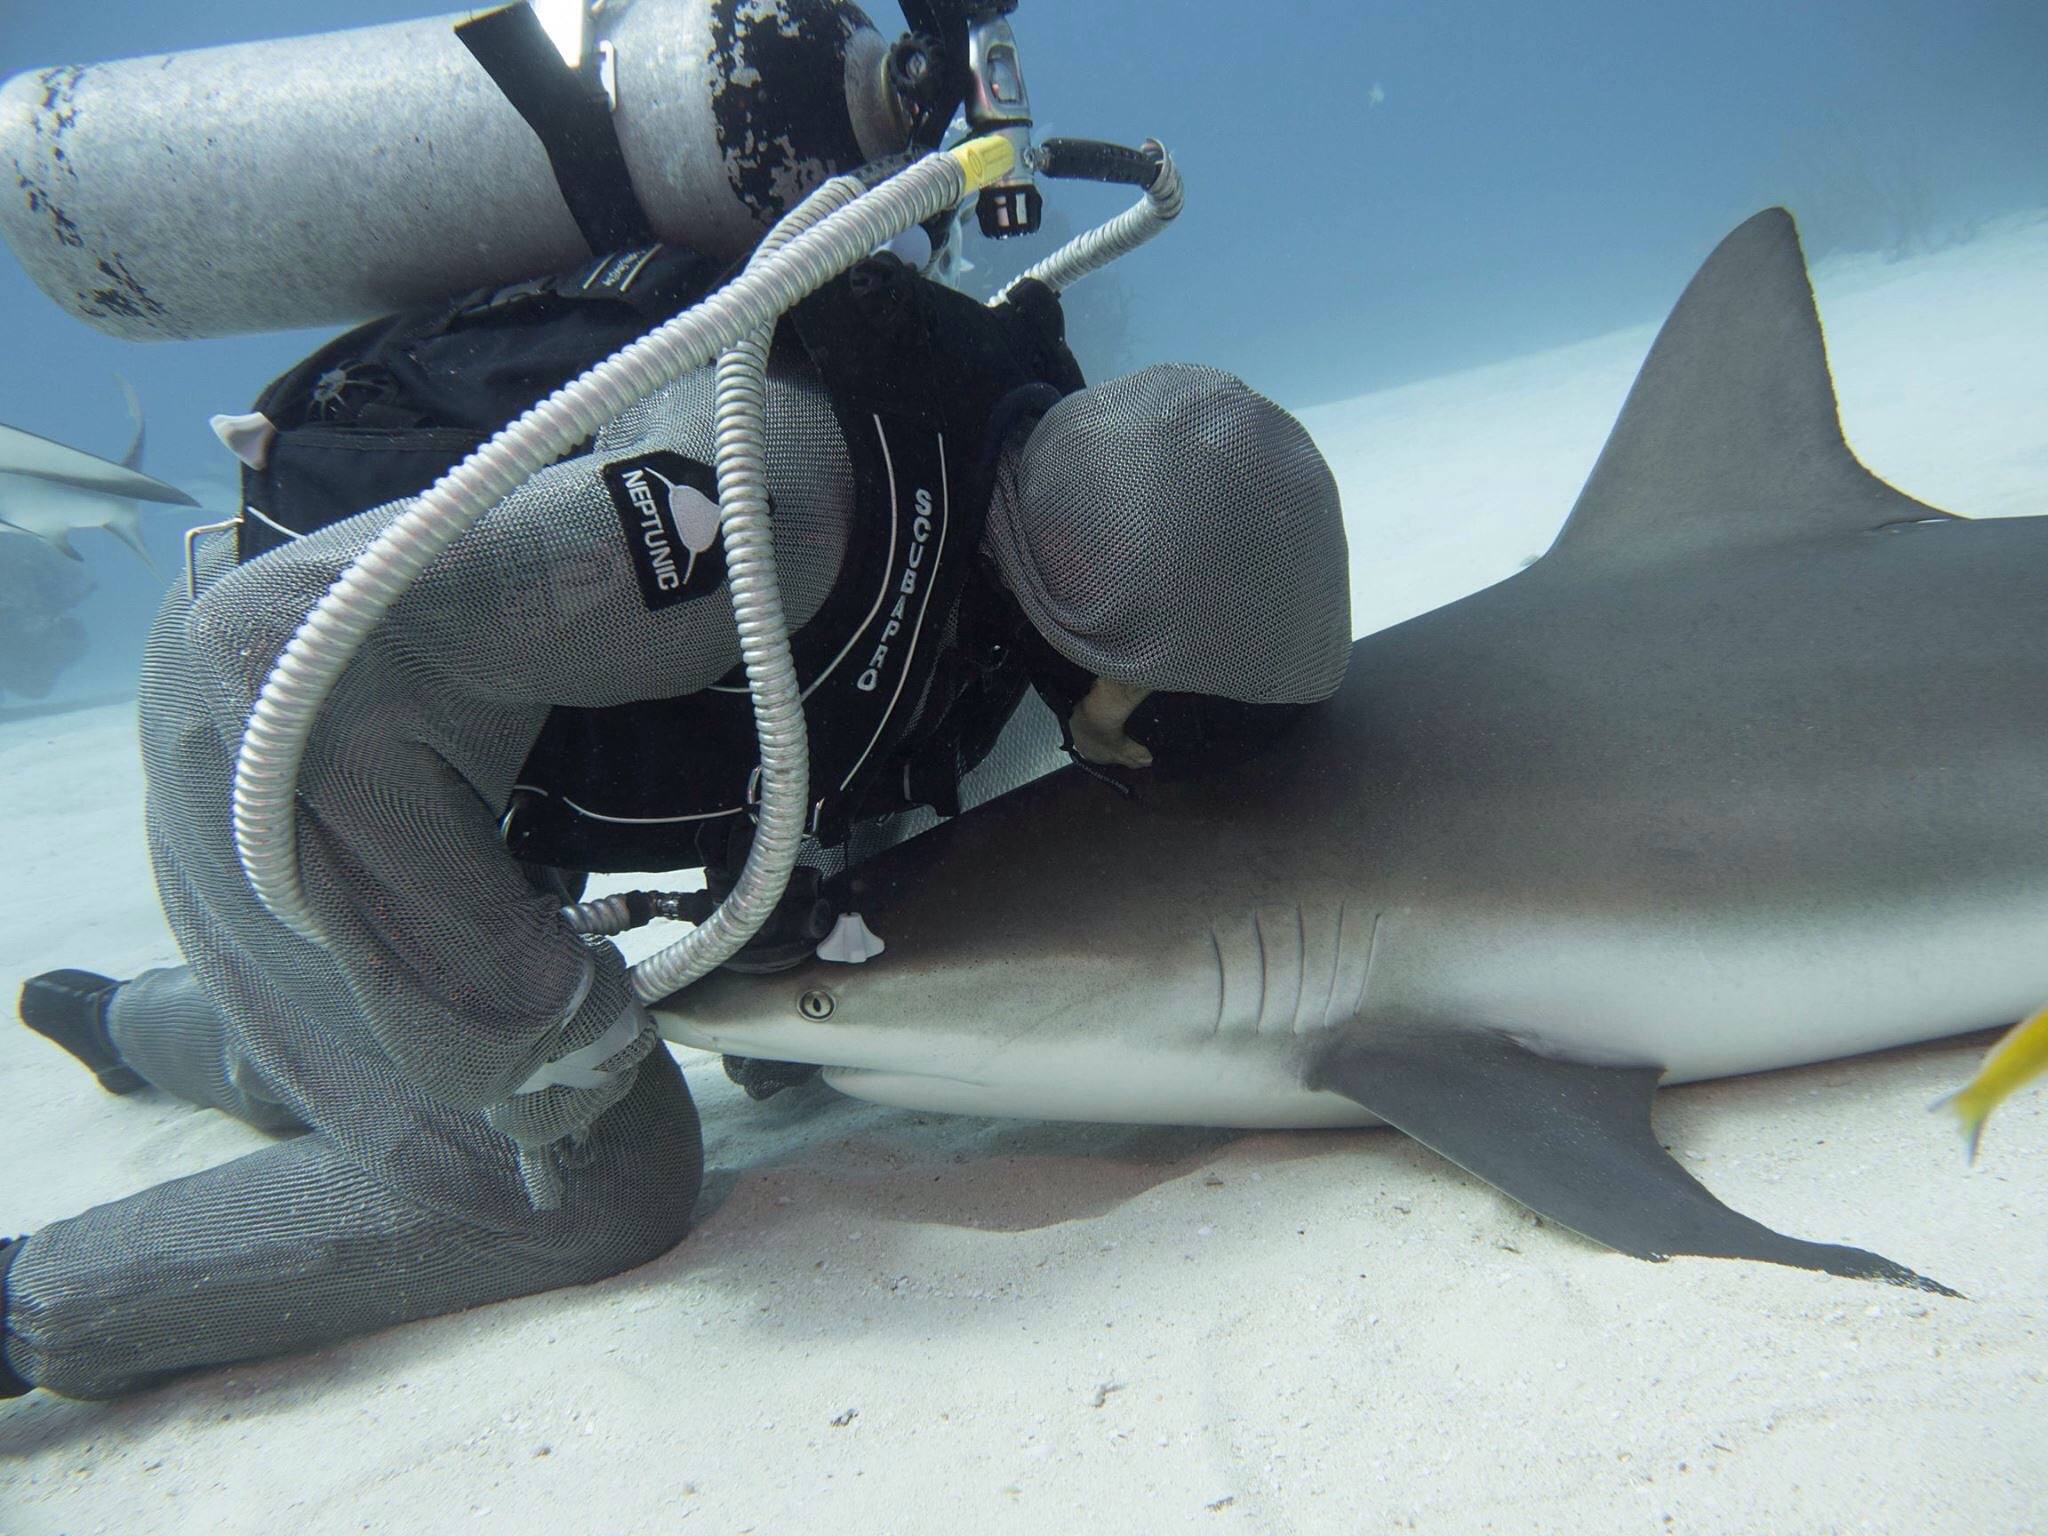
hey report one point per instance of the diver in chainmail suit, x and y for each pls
(473, 1105)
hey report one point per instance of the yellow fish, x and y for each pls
(2019, 1057)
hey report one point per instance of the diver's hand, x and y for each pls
(1097, 726)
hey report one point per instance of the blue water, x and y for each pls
(1376, 192)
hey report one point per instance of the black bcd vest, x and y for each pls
(899, 665)
(916, 657)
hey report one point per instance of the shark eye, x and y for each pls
(815, 1005)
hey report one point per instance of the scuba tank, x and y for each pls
(282, 185)
(318, 180)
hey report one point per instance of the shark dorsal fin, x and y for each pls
(1730, 436)
(132, 459)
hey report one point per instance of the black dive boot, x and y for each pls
(70, 1008)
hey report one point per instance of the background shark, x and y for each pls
(1747, 771)
(50, 491)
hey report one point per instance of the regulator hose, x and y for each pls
(627, 910)
(1123, 234)
(289, 705)
(1097, 160)
(749, 535)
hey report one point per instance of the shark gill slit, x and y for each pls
(1258, 996)
(1222, 982)
(1301, 977)
(1372, 955)
(1276, 966)
(1336, 970)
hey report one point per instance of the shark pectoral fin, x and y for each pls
(1571, 1142)
(23, 453)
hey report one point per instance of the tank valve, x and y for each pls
(997, 102)
(961, 54)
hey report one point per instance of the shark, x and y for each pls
(50, 491)
(1749, 770)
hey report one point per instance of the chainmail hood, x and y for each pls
(1174, 529)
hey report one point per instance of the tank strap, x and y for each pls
(572, 118)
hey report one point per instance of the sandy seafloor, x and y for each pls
(887, 1322)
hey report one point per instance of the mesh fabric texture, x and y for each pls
(426, 1180)
(1174, 529)
(301, 1244)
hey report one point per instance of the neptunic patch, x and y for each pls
(668, 511)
